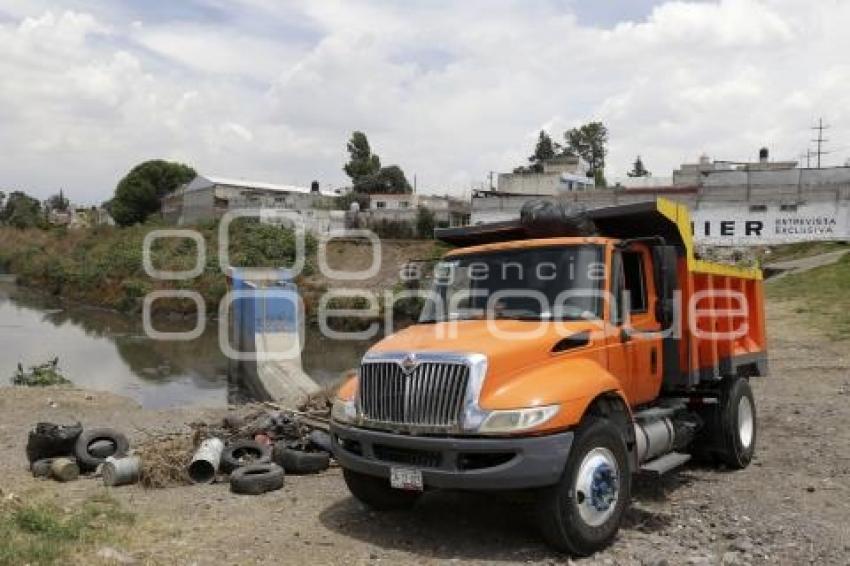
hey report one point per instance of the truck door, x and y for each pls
(642, 345)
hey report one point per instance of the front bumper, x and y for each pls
(455, 462)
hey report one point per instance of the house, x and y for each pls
(565, 173)
(402, 207)
(209, 197)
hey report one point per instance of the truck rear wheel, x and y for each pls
(729, 426)
(737, 424)
(377, 493)
(582, 513)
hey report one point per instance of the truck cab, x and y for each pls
(559, 363)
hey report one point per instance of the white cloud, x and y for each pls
(449, 91)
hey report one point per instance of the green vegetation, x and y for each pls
(425, 223)
(42, 533)
(138, 194)
(41, 375)
(800, 250)
(545, 150)
(638, 169)
(21, 211)
(588, 141)
(367, 175)
(822, 294)
(103, 265)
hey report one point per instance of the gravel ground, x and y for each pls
(791, 506)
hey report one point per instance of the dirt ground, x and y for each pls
(791, 506)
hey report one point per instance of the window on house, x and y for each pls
(635, 281)
(380, 204)
(788, 207)
(403, 204)
(758, 208)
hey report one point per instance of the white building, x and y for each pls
(560, 174)
(402, 207)
(209, 197)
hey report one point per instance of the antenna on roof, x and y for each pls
(820, 139)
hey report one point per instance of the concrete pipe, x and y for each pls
(121, 471)
(64, 469)
(206, 460)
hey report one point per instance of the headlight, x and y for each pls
(344, 411)
(517, 419)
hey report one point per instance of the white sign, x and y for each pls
(752, 225)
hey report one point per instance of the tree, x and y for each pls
(57, 202)
(589, 142)
(638, 170)
(544, 150)
(367, 175)
(138, 194)
(363, 162)
(390, 179)
(2, 198)
(425, 222)
(22, 211)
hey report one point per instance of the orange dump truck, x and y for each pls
(560, 361)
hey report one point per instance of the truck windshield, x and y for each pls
(539, 283)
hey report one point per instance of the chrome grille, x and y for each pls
(431, 395)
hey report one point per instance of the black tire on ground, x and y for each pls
(581, 523)
(320, 439)
(735, 430)
(48, 440)
(82, 448)
(299, 462)
(721, 438)
(242, 453)
(377, 493)
(255, 479)
(41, 468)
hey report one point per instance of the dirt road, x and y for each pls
(792, 506)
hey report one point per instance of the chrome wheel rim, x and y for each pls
(597, 486)
(746, 422)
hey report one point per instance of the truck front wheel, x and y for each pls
(377, 493)
(582, 513)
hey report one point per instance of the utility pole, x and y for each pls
(491, 180)
(820, 139)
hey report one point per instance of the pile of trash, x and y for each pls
(255, 451)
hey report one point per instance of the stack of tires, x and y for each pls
(65, 451)
(256, 467)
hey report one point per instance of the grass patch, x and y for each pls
(41, 375)
(821, 294)
(802, 249)
(43, 533)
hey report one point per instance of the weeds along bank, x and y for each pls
(103, 266)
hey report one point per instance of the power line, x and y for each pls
(820, 139)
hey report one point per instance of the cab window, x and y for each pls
(635, 281)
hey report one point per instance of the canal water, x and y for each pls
(105, 350)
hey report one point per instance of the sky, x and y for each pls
(271, 90)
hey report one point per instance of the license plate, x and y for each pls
(406, 478)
